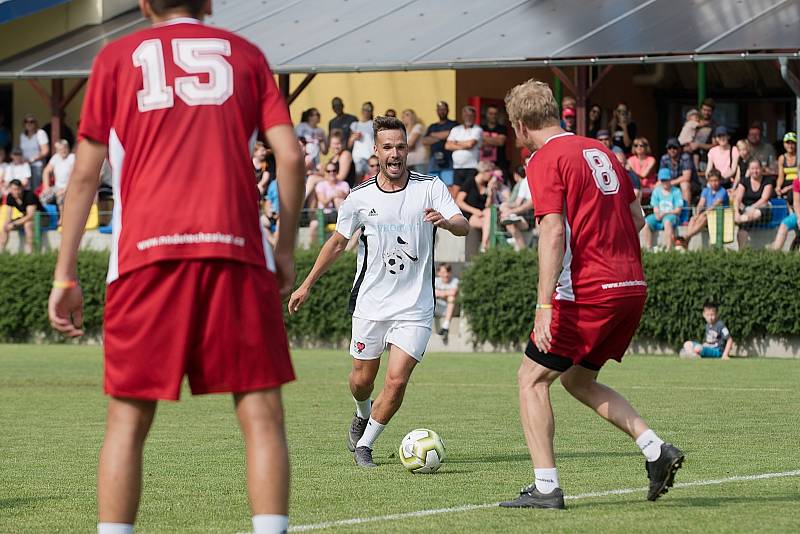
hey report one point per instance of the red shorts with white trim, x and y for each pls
(589, 334)
(219, 322)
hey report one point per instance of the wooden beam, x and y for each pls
(581, 95)
(73, 92)
(283, 85)
(307, 80)
(602, 74)
(40, 91)
(564, 80)
(56, 111)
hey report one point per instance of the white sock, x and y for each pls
(270, 524)
(371, 433)
(446, 325)
(650, 445)
(363, 408)
(114, 528)
(546, 479)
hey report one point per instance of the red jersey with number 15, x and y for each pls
(179, 106)
(581, 179)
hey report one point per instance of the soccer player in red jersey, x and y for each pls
(591, 290)
(193, 287)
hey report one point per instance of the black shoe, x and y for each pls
(363, 457)
(357, 427)
(445, 333)
(662, 471)
(531, 497)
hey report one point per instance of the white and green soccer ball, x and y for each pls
(422, 451)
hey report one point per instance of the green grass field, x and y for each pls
(737, 418)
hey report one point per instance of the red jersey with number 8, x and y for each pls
(581, 179)
(179, 106)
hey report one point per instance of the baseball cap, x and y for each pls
(721, 130)
(568, 112)
(603, 134)
(692, 111)
(664, 174)
(673, 142)
(790, 137)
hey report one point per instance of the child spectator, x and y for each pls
(713, 195)
(717, 342)
(667, 204)
(445, 289)
(689, 128)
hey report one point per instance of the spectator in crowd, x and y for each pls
(3, 173)
(445, 288)
(441, 160)
(362, 139)
(330, 193)
(713, 196)
(5, 134)
(717, 342)
(474, 197)
(568, 101)
(390, 113)
(787, 166)
(642, 165)
(309, 129)
(689, 128)
(724, 157)
(622, 127)
(745, 157)
(343, 158)
(750, 200)
(59, 170)
(667, 204)
(27, 204)
(789, 223)
(493, 144)
(373, 168)
(604, 137)
(703, 136)
(682, 169)
(594, 120)
(417, 160)
(464, 142)
(18, 169)
(518, 209)
(341, 120)
(261, 163)
(35, 147)
(568, 117)
(763, 152)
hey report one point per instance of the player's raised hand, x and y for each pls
(436, 218)
(542, 337)
(65, 309)
(286, 275)
(298, 298)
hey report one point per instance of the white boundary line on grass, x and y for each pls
(470, 507)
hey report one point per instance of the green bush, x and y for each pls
(758, 293)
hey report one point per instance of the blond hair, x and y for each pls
(532, 104)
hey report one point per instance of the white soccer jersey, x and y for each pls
(394, 275)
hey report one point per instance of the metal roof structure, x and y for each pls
(308, 36)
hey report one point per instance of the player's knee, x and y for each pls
(395, 384)
(575, 386)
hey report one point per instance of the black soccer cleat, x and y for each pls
(662, 471)
(357, 427)
(530, 497)
(363, 457)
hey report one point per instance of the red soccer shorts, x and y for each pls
(589, 334)
(217, 321)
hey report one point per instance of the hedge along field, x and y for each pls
(758, 293)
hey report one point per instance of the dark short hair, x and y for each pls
(15, 181)
(709, 102)
(380, 124)
(710, 305)
(447, 267)
(520, 170)
(338, 133)
(159, 7)
(755, 125)
(714, 172)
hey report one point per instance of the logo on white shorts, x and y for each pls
(360, 347)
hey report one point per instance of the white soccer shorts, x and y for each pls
(370, 338)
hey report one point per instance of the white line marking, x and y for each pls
(682, 388)
(470, 507)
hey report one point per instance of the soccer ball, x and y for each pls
(394, 262)
(422, 451)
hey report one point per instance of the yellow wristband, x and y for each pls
(544, 306)
(65, 284)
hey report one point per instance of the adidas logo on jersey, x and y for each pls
(372, 213)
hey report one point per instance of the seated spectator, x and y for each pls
(373, 168)
(517, 211)
(417, 160)
(787, 166)
(330, 193)
(789, 223)
(682, 170)
(713, 196)
(568, 117)
(620, 155)
(474, 198)
(643, 164)
(703, 136)
(723, 157)
(343, 158)
(390, 113)
(604, 137)
(446, 290)
(362, 139)
(18, 169)
(717, 342)
(26, 203)
(60, 169)
(745, 157)
(667, 204)
(309, 129)
(763, 152)
(464, 142)
(270, 213)
(594, 121)
(260, 161)
(751, 200)
(689, 128)
(3, 172)
(622, 128)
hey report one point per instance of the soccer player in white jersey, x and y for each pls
(398, 212)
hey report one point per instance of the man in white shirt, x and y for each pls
(392, 301)
(465, 142)
(60, 168)
(18, 169)
(362, 140)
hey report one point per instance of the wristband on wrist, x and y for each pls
(65, 284)
(544, 306)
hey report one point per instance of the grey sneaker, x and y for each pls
(357, 427)
(661, 472)
(530, 497)
(363, 457)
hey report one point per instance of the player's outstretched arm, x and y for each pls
(65, 306)
(456, 225)
(329, 253)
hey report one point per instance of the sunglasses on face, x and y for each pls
(640, 145)
(672, 148)
(373, 165)
(330, 171)
(30, 121)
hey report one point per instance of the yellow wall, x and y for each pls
(418, 90)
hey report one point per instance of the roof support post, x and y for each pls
(56, 110)
(283, 85)
(300, 88)
(794, 84)
(558, 91)
(581, 95)
(701, 83)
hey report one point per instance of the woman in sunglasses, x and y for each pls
(35, 147)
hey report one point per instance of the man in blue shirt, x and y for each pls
(667, 204)
(682, 170)
(441, 160)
